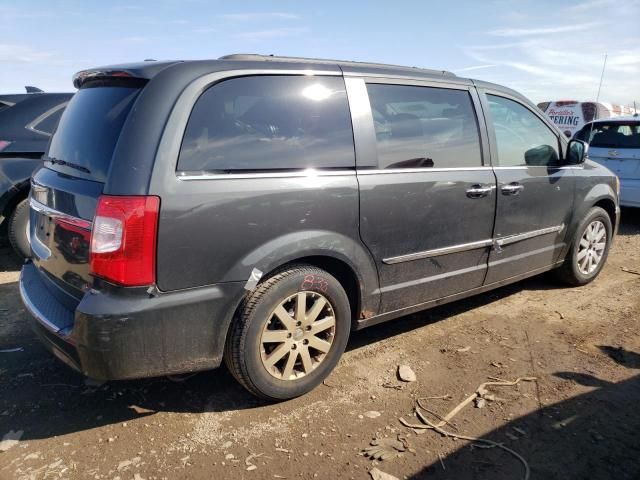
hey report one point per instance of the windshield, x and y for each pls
(611, 135)
(88, 131)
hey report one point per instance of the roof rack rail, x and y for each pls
(275, 58)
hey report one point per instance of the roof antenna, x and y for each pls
(598, 96)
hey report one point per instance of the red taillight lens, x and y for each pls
(123, 239)
(4, 144)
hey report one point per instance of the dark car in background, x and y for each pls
(259, 209)
(26, 123)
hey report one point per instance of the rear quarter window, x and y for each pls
(267, 123)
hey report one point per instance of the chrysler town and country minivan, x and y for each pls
(260, 209)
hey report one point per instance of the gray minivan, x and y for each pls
(259, 209)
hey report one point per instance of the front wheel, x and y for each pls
(289, 333)
(589, 249)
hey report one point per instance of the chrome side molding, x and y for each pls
(497, 245)
(438, 252)
(500, 242)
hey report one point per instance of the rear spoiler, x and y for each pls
(84, 77)
(132, 73)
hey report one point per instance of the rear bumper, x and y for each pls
(128, 333)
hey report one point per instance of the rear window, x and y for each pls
(267, 123)
(611, 135)
(89, 130)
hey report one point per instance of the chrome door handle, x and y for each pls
(512, 189)
(478, 191)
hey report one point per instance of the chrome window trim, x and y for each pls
(547, 167)
(500, 242)
(309, 173)
(52, 212)
(446, 82)
(32, 125)
(438, 252)
(419, 170)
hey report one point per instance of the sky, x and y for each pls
(547, 50)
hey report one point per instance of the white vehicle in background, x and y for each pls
(615, 143)
(571, 115)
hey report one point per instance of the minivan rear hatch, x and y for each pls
(65, 192)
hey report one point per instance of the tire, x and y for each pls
(249, 357)
(18, 229)
(572, 271)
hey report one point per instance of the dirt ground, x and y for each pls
(579, 419)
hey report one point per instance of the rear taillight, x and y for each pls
(4, 144)
(123, 239)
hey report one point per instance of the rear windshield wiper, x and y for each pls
(57, 161)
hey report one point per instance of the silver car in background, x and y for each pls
(615, 143)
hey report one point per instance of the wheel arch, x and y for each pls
(340, 255)
(609, 206)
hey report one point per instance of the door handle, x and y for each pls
(478, 191)
(513, 188)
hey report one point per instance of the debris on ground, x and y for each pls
(395, 386)
(93, 383)
(480, 392)
(10, 439)
(406, 374)
(140, 410)
(380, 475)
(385, 448)
(372, 414)
(12, 350)
(628, 270)
(438, 397)
(464, 349)
(480, 402)
(249, 464)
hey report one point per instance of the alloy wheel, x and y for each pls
(592, 247)
(298, 335)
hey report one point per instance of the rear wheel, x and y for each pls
(589, 249)
(289, 334)
(19, 229)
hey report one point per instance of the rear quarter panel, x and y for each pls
(218, 230)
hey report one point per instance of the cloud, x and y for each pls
(475, 67)
(527, 32)
(591, 5)
(10, 53)
(272, 33)
(204, 30)
(563, 61)
(259, 16)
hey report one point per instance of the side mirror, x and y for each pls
(576, 152)
(542, 155)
